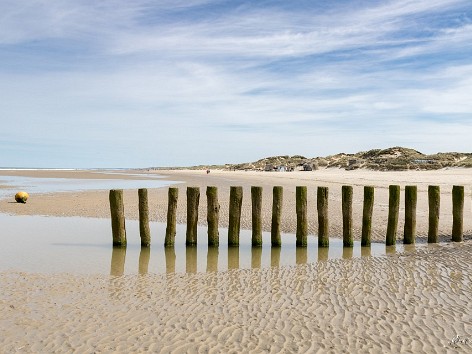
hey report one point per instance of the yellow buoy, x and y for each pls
(21, 197)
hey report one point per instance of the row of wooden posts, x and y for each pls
(235, 204)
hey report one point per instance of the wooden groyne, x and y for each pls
(301, 209)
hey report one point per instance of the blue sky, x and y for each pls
(173, 82)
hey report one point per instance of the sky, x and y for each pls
(98, 84)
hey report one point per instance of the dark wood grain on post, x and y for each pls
(393, 210)
(409, 230)
(434, 201)
(256, 199)
(144, 230)
(302, 220)
(323, 216)
(173, 196)
(235, 203)
(348, 240)
(367, 216)
(213, 216)
(457, 213)
(193, 201)
(117, 210)
(276, 216)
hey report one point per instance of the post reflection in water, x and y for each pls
(366, 251)
(233, 257)
(191, 259)
(301, 255)
(144, 256)
(170, 259)
(348, 252)
(323, 253)
(212, 259)
(256, 257)
(275, 256)
(390, 249)
(118, 257)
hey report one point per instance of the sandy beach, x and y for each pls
(416, 301)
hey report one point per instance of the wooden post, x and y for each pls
(256, 198)
(393, 209)
(193, 200)
(117, 210)
(235, 203)
(409, 230)
(276, 215)
(348, 241)
(301, 209)
(323, 218)
(367, 215)
(213, 212)
(173, 195)
(434, 198)
(144, 231)
(457, 213)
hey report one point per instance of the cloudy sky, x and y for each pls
(183, 82)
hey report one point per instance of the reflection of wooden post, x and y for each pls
(212, 259)
(457, 213)
(117, 217)
(367, 215)
(347, 252)
(302, 223)
(171, 217)
(275, 256)
(348, 241)
(118, 257)
(170, 259)
(434, 197)
(256, 257)
(233, 257)
(323, 217)
(323, 253)
(256, 198)
(276, 215)
(144, 256)
(409, 231)
(301, 255)
(235, 203)
(144, 231)
(393, 208)
(193, 200)
(213, 211)
(191, 259)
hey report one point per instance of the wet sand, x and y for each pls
(415, 301)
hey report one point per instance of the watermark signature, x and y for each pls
(460, 340)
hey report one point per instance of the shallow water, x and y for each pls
(84, 246)
(36, 185)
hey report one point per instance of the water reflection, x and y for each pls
(144, 256)
(366, 251)
(170, 259)
(275, 256)
(118, 257)
(301, 255)
(233, 257)
(348, 252)
(256, 257)
(191, 259)
(323, 253)
(212, 259)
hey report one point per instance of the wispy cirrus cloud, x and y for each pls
(220, 75)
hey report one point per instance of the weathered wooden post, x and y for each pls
(256, 198)
(193, 200)
(409, 230)
(276, 215)
(393, 209)
(213, 212)
(367, 216)
(348, 241)
(301, 209)
(235, 203)
(173, 195)
(144, 230)
(434, 198)
(117, 210)
(323, 218)
(457, 213)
